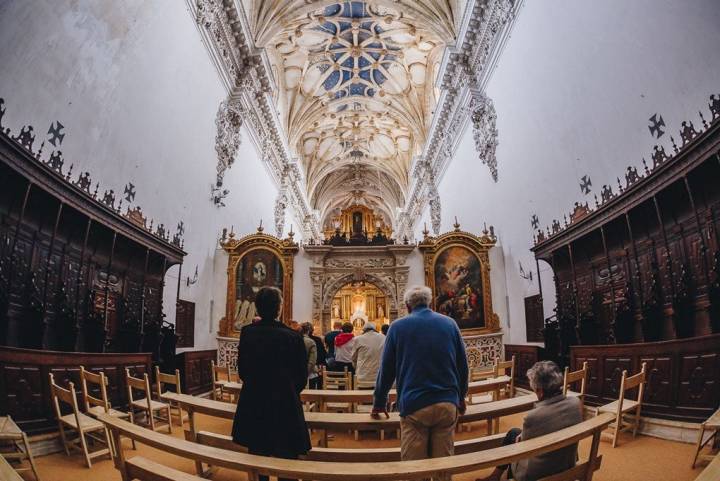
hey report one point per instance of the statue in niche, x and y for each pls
(380, 311)
(336, 310)
(357, 223)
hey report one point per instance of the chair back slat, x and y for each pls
(167, 379)
(217, 371)
(98, 381)
(479, 373)
(141, 384)
(636, 380)
(66, 396)
(571, 378)
(340, 380)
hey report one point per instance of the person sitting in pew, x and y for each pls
(272, 364)
(552, 412)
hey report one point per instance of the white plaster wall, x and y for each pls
(137, 93)
(574, 90)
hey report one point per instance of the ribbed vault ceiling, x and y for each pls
(356, 91)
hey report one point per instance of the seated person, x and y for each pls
(344, 344)
(552, 412)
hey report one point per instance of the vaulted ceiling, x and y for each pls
(356, 91)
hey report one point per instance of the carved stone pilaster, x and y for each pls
(435, 207)
(281, 202)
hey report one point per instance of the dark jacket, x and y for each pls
(425, 353)
(321, 352)
(330, 342)
(272, 364)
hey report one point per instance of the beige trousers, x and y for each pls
(428, 433)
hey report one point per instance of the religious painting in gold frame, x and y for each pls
(457, 269)
(255, 261)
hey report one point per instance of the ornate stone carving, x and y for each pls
(281, 202)
(484, 349)
(435, 208)
(466, 69)
(228, 121)
(336, 266)
(355, 263)
(485, 133)
(227, 352)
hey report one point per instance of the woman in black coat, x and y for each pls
(272, 365)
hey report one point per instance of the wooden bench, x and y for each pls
(350, 455)
(352, 421)
(255, 465)
(711, 471)
(711, 424)
(323, 396)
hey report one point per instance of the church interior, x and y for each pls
(550, 171)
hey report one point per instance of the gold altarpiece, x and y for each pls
(457, 269)
(357, 219)
(263, 260)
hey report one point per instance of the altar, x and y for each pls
(365, 282)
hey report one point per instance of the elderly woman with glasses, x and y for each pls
(552, 412)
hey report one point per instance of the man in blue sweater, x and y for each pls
(425, 353)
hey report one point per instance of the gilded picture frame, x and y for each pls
(471, 303)
(250, 247)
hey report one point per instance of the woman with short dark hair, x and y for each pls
(272, 365)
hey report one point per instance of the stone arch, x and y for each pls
(387, 286)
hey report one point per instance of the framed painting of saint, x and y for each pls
(256, 269)
(255, 261)
(457, 269)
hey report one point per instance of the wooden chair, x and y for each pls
(11, 435)
(94, 405)
(712, 424)
(571, 378)
(501, 368)
(172, 380)
(77, 421)
(337, 380)
(480, 374)
(7, 473)
(146, 404)
(623, 405)
(219, 383)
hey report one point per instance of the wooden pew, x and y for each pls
(323, 396)
(350, 455)
(348, 421)
(341, 471)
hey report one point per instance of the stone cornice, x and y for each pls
(465, 71)
(246, 75)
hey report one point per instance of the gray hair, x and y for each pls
(545, 375)
(417, 296)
